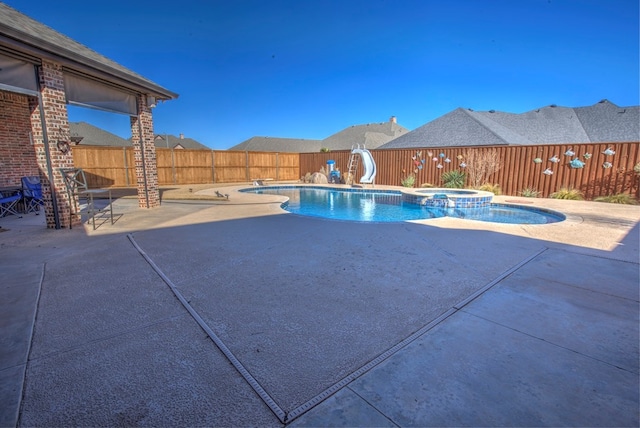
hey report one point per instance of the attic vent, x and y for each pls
(553, 105)
(602, 101)
(492, 111)
(470, 109)
(623, 111)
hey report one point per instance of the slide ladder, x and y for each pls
(353, 167)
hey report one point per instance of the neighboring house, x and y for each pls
(370, 135)
(601, 122)
(275, 144)
(89, 135)
(171, 141)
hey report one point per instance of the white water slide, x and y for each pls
(369, 165)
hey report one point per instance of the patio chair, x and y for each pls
(32, 194)
(75, 181)
(8, 204)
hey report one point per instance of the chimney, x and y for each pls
(392, 119)
(182, 136)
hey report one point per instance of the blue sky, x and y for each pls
(310, 68)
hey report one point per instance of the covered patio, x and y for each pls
(41, 72)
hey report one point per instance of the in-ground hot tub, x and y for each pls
(449, 198)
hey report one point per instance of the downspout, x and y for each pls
(45, 140)
(144, 164)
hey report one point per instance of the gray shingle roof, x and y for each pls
(276, 144)
(371, 135)
(94, 136)
(607, 122)
(26, 35)
(456, 128)
(178, 142)
(601, 122)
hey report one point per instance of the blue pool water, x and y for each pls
(387, 206)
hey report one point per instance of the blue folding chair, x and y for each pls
(32, 194)
(8, 204)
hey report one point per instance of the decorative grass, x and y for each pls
(620, 198)
(568, 193)
(454, 179)
(493, 188)
(408, 181)
(529, 192)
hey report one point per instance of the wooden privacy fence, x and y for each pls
(115, 167)
(602, 174)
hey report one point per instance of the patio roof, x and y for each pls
(33, 41)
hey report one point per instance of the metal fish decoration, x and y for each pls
(576, 163)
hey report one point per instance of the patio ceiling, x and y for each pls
(26, 39)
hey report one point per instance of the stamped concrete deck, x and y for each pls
(203, 313)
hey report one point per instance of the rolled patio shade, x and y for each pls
(17, 75)
(86, 92)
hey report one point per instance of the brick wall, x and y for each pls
(145, 151)
(17, 156)
(57, 122)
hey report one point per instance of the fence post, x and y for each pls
(213, 167)
(173, 167)
(277, 166)
(126, 167)
(246, 162)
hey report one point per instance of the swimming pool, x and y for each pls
(385, 206)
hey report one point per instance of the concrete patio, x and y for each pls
(233, 313)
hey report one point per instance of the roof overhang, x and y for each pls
(34, 48)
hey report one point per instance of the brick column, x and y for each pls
(57, 123)
(144, 152)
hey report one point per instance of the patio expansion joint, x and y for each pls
(498, 279)
(34, 318)
(262, 393)
(391, 421)
(550, 343)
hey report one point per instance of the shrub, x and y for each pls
(409, 180)
(620, 198)
(453, 179)
(568, 193)
(325, 150)
(426, 185)
(481, 164)
(530, 192)
(493, 188)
